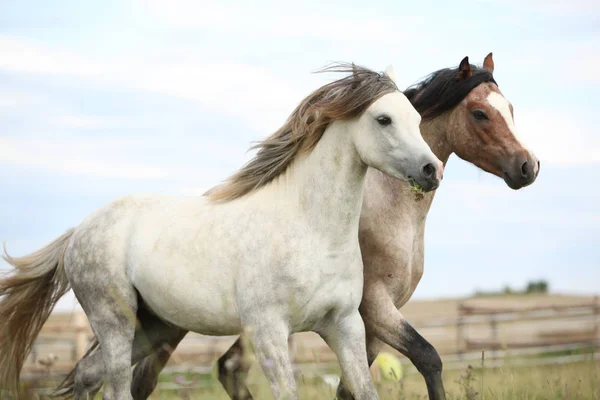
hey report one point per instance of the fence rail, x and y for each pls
(513, 327)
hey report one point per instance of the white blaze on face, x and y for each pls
(497, 101)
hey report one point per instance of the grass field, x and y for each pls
(573, 381)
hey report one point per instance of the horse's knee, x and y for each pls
(428, 360)
(422, 354)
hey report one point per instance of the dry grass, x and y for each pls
(574, 381)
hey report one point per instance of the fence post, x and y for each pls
(459, 332)
(596, 322)
(80, 323)
(494, 328)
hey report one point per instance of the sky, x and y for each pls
(103, 99)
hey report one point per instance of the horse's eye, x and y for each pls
(479, 115)
(384, 120)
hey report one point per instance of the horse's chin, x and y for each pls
(510, 183)
(424, 186)
(514, 185)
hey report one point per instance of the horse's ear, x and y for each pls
(464, 69)
(389, 71)
(488, 63)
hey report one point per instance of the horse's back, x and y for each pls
(151, 243)
(101, 237)
(103, 241)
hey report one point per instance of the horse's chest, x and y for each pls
(334, 287)
(404, 276)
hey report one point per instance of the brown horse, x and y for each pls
(464, 113)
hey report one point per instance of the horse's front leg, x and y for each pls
(346, 337)
(387, 323)
(270, 340)
(373, 349)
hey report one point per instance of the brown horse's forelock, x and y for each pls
(342, 99)
(442, 90)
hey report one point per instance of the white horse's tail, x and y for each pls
(27, 296)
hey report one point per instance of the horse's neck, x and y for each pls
(408, 204)
(435, 133)
(328, 184)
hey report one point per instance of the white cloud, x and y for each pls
(263, 98)
(278, 20)
(202, 164)
(484, 199)
(29, 56)
(250, 93)
(577, 61)
(9, 100)
(559, 136)
(76, 157)
(554, 7)
(82, 122)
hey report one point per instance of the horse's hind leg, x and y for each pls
(89, 372)
(153, 344)
(233, 370)
(115, 329)
(146, 372)
(110, 302)
(161, 339)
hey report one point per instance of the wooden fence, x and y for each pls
(510, 327)
(561, 332)
(516, 330)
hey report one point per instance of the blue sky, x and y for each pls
(102, 99)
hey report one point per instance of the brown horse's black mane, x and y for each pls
(442, 90)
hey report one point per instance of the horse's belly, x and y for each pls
(188, 297)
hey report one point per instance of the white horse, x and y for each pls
(272, 251)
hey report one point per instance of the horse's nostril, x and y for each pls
(428, 171)
(524, 169)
